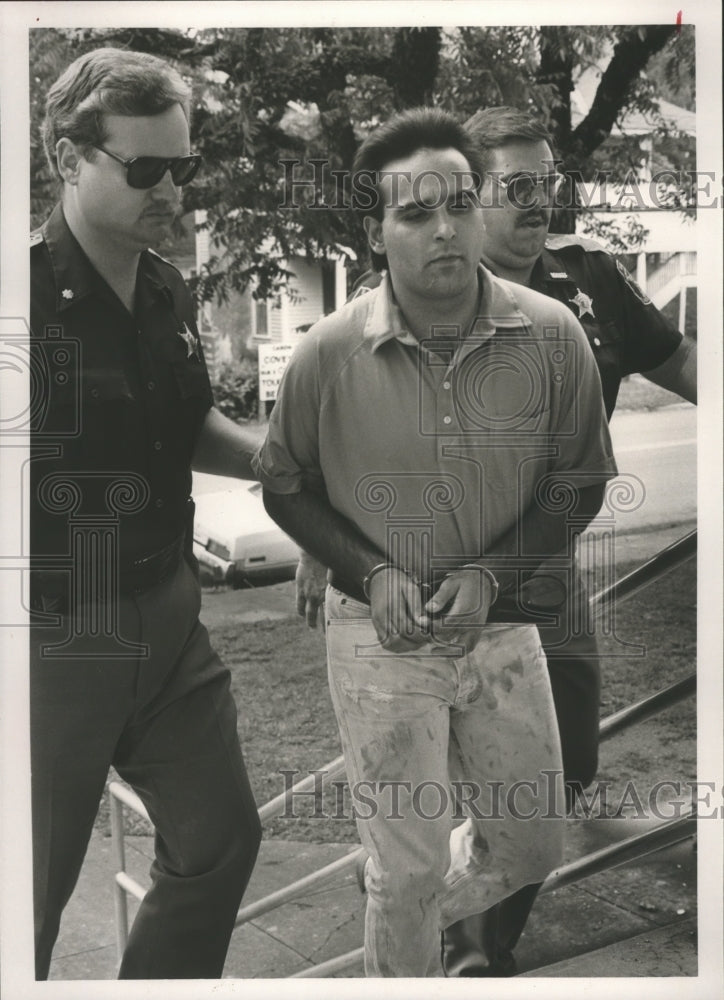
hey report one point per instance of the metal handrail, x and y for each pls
(647, 707)
(662, 836)
(663, 562)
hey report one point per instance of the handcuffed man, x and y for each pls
(419, 439)
(627, 335)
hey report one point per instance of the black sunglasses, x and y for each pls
(146, 171)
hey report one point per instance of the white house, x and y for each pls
(665, 262)
(317, 288)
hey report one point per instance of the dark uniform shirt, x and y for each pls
(624, 328)
(626, 331)
(121, 399)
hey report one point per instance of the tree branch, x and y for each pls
(630, 56)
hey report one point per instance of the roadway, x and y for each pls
(656, 456)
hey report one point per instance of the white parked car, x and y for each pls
(236, 542)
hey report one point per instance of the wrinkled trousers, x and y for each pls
(429, 738)
(167, 721)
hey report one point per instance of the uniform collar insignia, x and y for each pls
(584, 303)
(73, 274)
(548, 269)
(192, 344)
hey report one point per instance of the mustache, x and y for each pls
(534, 215)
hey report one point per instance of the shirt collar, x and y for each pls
(384, 318)
(150, 267)
(499, 310)
(74, 274)
(75, 277)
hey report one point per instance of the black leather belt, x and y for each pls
(50, 589)
(147, 571)
(353, 590)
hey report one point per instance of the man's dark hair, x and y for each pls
(404, 134)
(492, 128)
(107, 81)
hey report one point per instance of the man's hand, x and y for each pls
(459, 607)
(311, 582)
(397, 615)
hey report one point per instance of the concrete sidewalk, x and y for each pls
(639, 920)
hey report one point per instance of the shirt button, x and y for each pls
(596, 342)
(94, 393)
(447, 420)
(159, 502)
(150, 386)
(446, 385)
(157, 445)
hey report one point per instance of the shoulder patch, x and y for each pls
(633, 285)
(562, 240)
(35, 238)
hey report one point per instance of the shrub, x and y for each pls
(236, 390)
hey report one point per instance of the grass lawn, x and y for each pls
(286, 720)
(636, 393)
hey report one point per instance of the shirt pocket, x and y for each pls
(102, 387)
(192, 380)
(112, 419)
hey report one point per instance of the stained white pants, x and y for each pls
(422, 734)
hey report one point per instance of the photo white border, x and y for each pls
(16, 913)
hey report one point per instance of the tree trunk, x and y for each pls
(414, 65)
(556, 69)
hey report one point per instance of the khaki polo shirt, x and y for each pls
(435, 449)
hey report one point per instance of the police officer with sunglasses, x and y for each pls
(122, 671)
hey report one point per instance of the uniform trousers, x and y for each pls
(414, 725)
(166, 720)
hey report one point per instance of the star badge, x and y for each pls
(67, 293)
(192, 344)
(584, 303)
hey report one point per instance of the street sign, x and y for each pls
(273, 359)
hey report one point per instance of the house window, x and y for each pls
(328, 287)
(262, 319)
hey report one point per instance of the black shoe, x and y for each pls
(359, 870)
(471, 949)
(473, 963)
